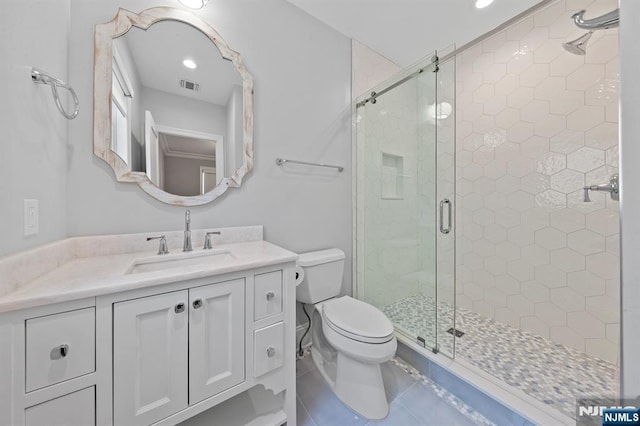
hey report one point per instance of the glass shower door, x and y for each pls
(396, 203)
(445, 189)
(436, 187)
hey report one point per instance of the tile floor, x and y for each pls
(550, 372)
(414, 400)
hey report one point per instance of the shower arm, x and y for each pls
(609, 20)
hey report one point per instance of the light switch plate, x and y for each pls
(31, 226)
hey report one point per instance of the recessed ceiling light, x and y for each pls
(194, 4)
(481, 4)
(190, 64)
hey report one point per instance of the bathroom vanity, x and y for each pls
(101, 330)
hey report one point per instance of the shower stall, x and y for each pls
(473, 230)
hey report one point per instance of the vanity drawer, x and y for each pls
(267, 295)
(75, 409)
(60, 347)
(269, 349)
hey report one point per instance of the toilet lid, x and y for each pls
(357, 320)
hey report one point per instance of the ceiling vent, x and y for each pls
(189, 85)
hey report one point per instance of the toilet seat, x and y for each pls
(357, 320)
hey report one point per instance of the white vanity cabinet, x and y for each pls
(216, 338)
(150, 337)
(75, 409)
(59, 347)
(198, 344)
(175, 349)
(48, 366)
(207, 350)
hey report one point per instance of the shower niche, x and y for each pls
(391, 177)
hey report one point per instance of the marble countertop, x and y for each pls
(92, 276)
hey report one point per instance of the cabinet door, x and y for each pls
(149, 358)
(75, 409)
(216, 338)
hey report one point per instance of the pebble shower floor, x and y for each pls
(549, 372)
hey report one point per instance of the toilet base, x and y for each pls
(358, 385)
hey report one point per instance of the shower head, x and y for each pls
(578, 46)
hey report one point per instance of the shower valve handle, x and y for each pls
(613, 188)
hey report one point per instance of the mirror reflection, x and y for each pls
(177, 108)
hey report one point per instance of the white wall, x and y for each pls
(629, 194)
(182, 175)
(33, 145)
(182, 112)
(302, 93)
(368, 69)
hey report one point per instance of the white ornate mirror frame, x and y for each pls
(103, 52)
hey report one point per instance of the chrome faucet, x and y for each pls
(162, 249)
(187, 232)
(207, 240)
(613, 187)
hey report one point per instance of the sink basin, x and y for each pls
(205, 258)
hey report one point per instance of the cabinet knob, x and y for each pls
(179, 307)
(270, 296)
(60, 351)
(197, 304)
(271, 352)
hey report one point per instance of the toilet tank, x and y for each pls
(322, 275)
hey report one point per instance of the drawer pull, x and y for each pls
(270, 296)
(179, 307)
(271, 352)
(197, 304)
(60, 351)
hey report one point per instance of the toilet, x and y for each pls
(349, 338)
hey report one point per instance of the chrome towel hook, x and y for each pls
(39, 76)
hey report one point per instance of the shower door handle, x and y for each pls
(446, 202)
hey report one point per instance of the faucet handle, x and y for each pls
(162, 248)
(207, 239)
(613, 188)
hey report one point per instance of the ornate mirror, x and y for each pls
(173, 106)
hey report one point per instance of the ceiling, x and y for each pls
(407, 30)
(159, 51)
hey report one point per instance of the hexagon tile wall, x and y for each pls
(535, 124)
